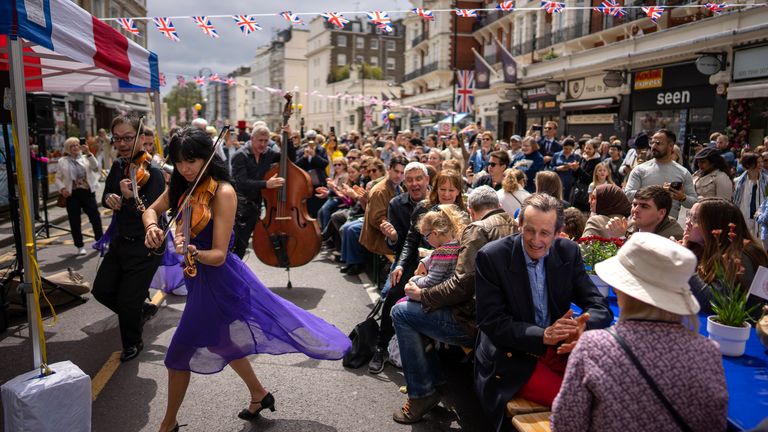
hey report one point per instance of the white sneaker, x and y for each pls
(82, 252)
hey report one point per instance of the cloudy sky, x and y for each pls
(232, 49)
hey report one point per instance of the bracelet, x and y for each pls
(146, 228)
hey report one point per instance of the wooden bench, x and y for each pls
(519, 406)
(535, 422)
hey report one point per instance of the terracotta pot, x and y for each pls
(732, 340)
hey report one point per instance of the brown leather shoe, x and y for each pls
(415, 409)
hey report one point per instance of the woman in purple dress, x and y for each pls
(229, 313)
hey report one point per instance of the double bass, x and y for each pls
(287, 236)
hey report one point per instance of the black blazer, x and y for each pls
(554, 148)
(509, 340)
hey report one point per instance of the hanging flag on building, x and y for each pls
(552, 7)
(611, 8)
(291, 17)
(716, 8)
(482, 72)
(162, 79)
(508, 64)
(465, 94)
(246, 23)
(424, 13)
(182, 82)
(466, 13)
(165, 25)
(128, 25)
(368, 117)
(336, 19)
(654, 12)
(205, 25)
(506, 6)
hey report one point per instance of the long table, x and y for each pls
(746, 377)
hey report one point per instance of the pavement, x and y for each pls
(311, 395)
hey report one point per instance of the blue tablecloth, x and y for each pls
(746, 377)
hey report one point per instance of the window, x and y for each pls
(359, 59)
(341, 59)
(360, 42)
(98, 8)
(390, 63)
(114, 11)
(374, 61)
(341, 40)
(374, 44)
(390, 45)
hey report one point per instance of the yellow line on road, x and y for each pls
(105, 373)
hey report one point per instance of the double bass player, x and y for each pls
(249, 166)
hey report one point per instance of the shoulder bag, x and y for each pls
(364, 337)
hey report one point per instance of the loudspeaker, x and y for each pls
(40, 113)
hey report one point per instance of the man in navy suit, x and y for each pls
(548, 144)
(524, 286)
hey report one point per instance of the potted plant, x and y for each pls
(595, 249)
(729, 327)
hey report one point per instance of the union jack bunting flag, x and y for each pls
(716, 8)
(368, 117)
(180, 79)
(205, 24)
(166, 28)
(381, 19)
(506, 6)
(336, 19)
(231, 81)
(426, 14)
(214, 78)
(199, 80)
(466, 13)
(128, 25)
(465, 89)
(654, 12)
(291, 18)
(552, 7)
(246, 23)
(612, 8)
(162, 79)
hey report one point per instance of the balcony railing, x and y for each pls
(421, 71)
(419, 39)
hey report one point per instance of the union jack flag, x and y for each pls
(205, 24)
(381, 19)
(654, 12)
(231, 81)
(426, 14)
(200, 80)
(214, 78)
(166, 28)
(128, 25)
(466, 13)
(162, 79)
(612, 8)
(552, 6)
(291, 18)
(180, 79)
(465, 89)
(246, 23)
(368, 117)
(335, 18)
(716, 8)
(506, 6)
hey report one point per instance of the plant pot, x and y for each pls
(603, 287)
(732, 340)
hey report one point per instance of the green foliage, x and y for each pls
(729, 299)
(73, 130)
(338, 73)
(551, 55)
(184, 97)
(595, 249)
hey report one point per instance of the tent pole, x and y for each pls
(158, 119)
(20, 129)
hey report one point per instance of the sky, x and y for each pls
(232, 49)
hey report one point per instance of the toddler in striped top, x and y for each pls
(441, 229)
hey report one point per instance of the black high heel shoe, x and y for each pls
(267, 403)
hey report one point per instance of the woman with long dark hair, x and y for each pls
(229, 313)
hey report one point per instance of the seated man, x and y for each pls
(446, 311)
(650, 213)
(525, 285)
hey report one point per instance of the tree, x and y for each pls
(184, 97)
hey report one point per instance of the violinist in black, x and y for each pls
(123, 278)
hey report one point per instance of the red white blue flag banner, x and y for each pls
(381, 19)
(654, 12)
(128, 25)
(200, 81)
(716, 8)
(466, 13)
(552, 7)
(165, 25)
(465, 90)
(205, 25)
(611, 8)
(162, 79)
(181, 80)
(424, 13)
(246, 23)
(291, 18)
(336, 19)
(506, 6)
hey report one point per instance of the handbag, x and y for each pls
(364, 337)
(61, 201)
(651, 383)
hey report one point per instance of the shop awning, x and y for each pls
(121, 105)
(748, 91)
(589, 104)
(457, 118)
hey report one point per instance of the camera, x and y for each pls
(333, 130)
(537, 128)
(676, 185)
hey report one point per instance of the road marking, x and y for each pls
(105, 373)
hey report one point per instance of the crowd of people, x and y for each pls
(481, 233)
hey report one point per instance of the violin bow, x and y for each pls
(132, 170)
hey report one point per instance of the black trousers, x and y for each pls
(248, 213)
(331, 232)
(386, 331)
(122, 284)
(85, 200)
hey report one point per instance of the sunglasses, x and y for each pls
(548, 128)
(371, 171)
(493, 164)
(338, 164)
(352, 158)
(127, 138)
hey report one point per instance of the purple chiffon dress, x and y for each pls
(169, 277)
(230, 314)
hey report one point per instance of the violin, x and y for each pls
(195, 216)
(137, 168)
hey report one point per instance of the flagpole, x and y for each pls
(453, 99)
(482, 59)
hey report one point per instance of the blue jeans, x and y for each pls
(388, 281)
(422, 369)
(325, 212)
(351, 249)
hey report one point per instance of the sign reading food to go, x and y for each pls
(649, 79)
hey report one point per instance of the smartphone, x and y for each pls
(537, 128)
(676, 185)
(333, 130)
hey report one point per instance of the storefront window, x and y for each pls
(670, 119)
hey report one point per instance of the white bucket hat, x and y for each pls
(654, 270)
